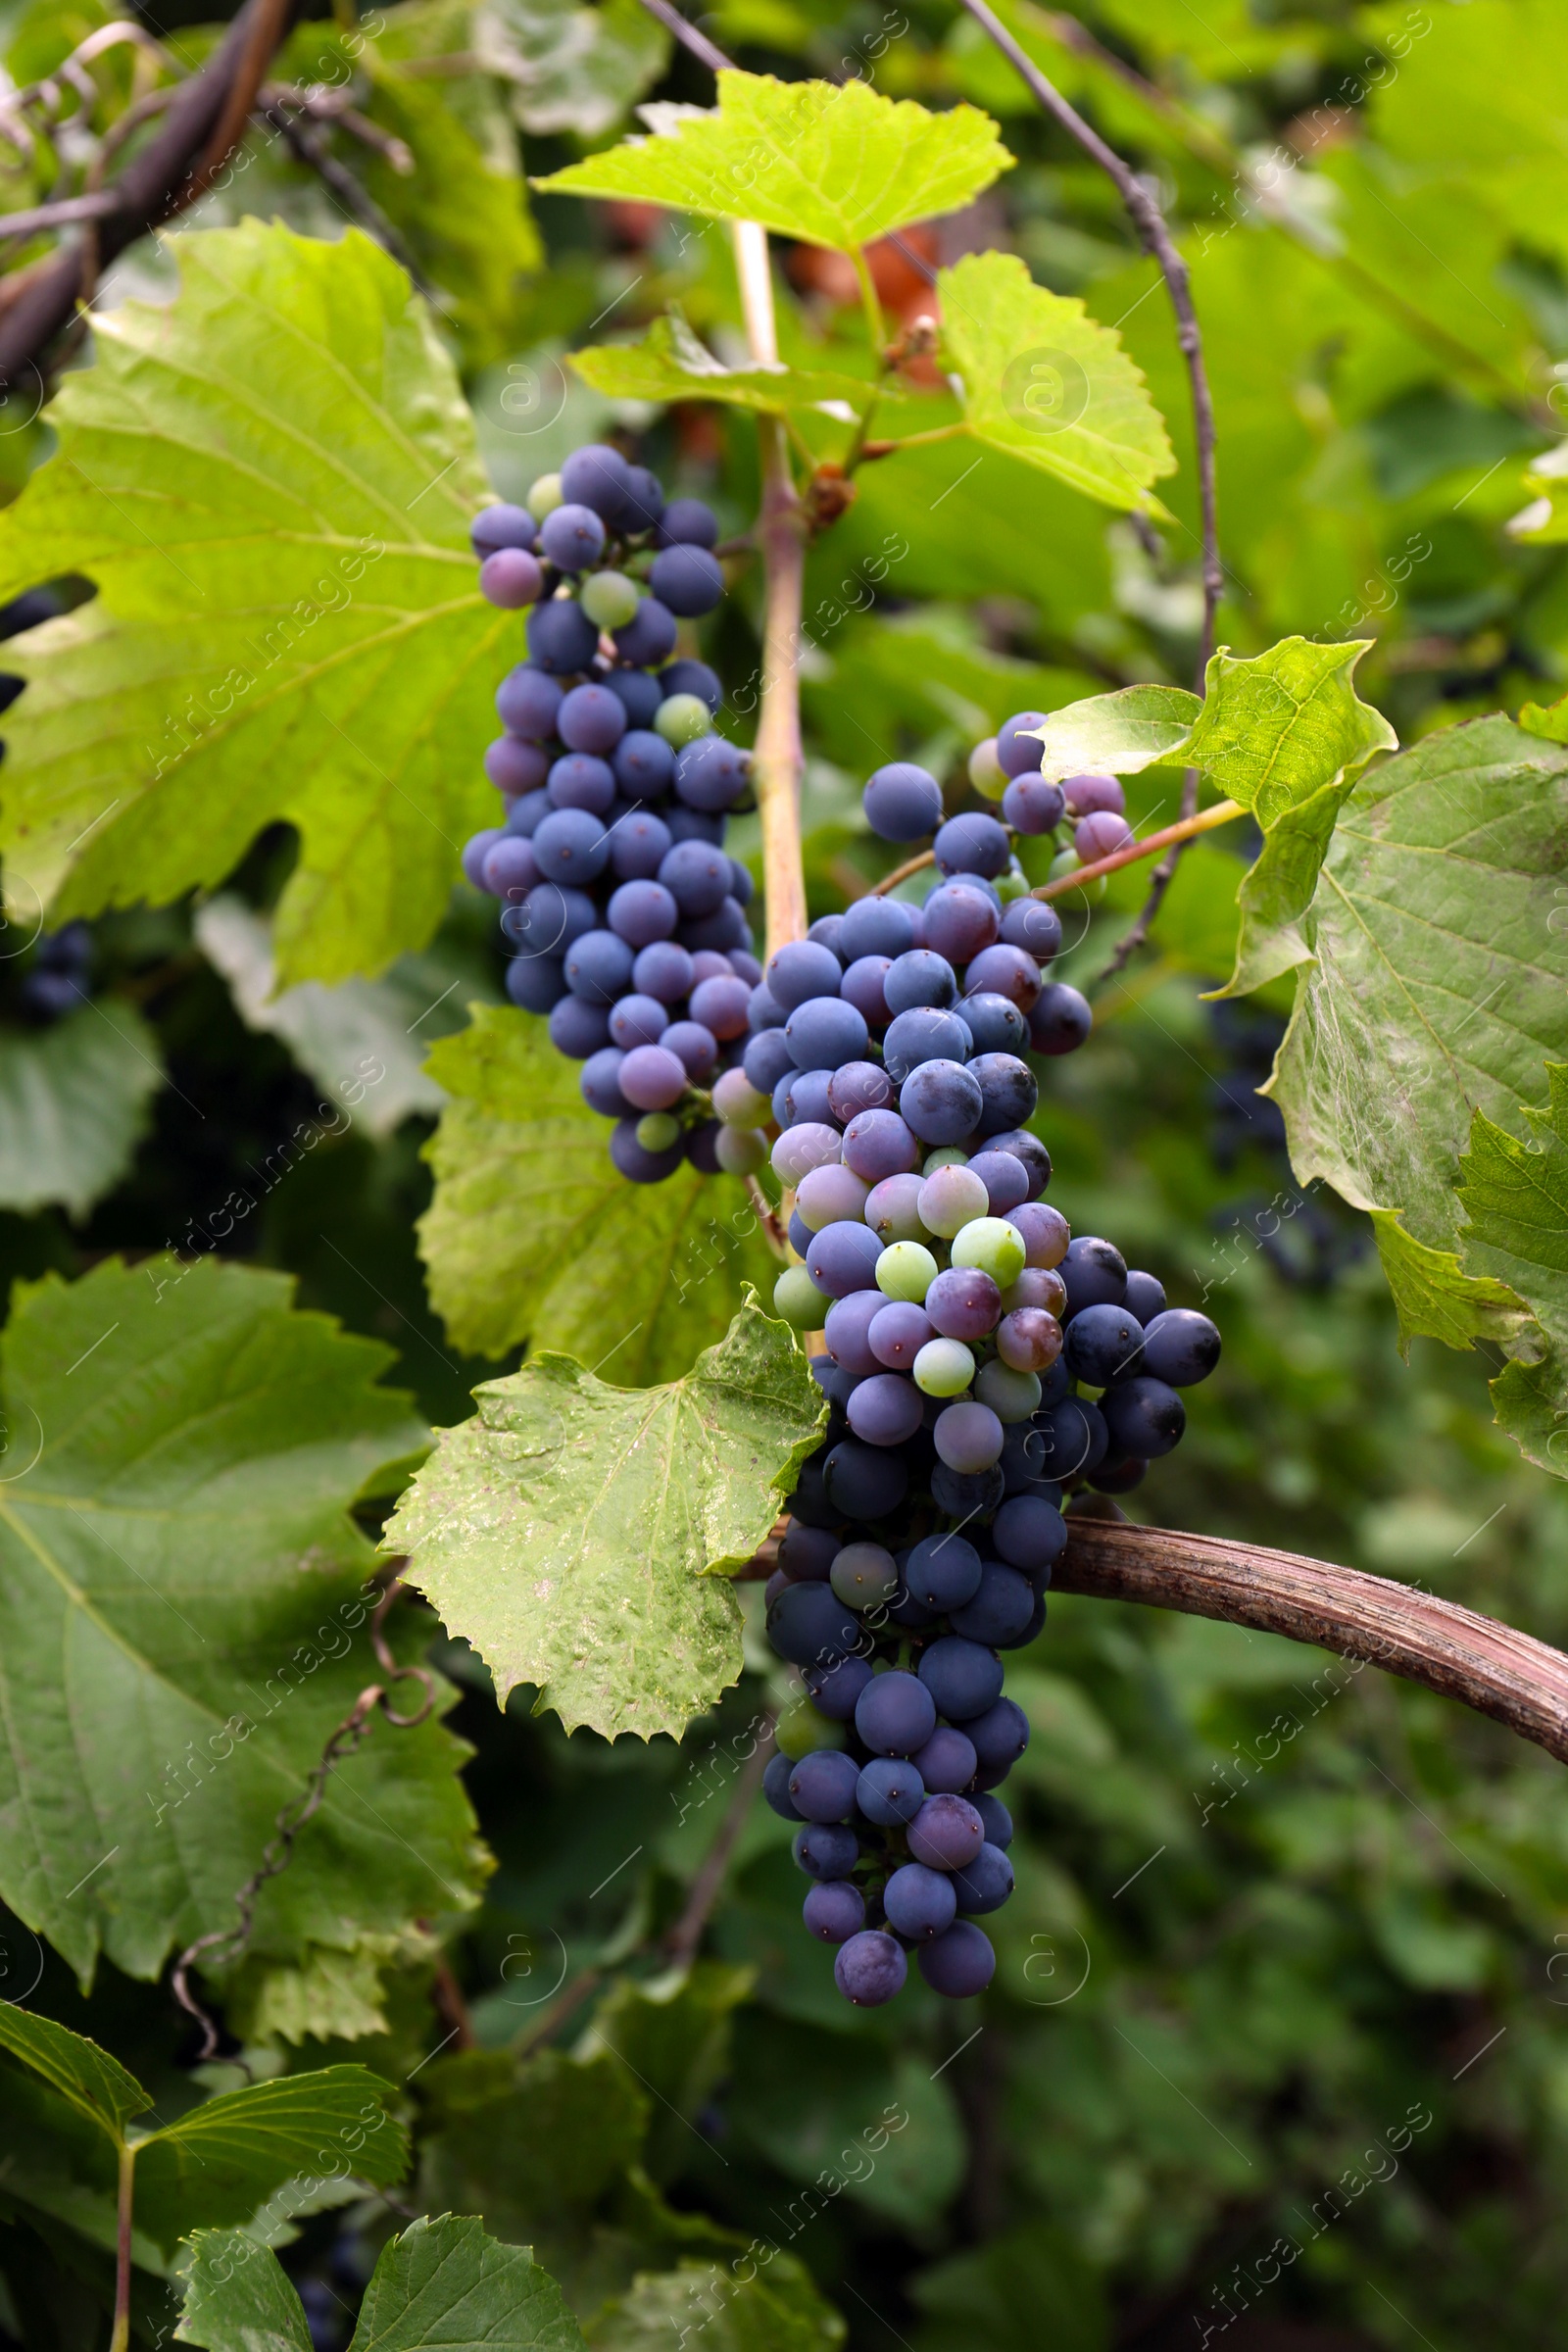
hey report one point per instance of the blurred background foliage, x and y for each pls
(1277, 2052)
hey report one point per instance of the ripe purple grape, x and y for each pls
(510, 578)
(943, 1572)
(902, 803)
(972, 844)
(800, 970)
(877, 1143)
(870, 1968)
(822, 1786)
(985, 1883)
(959, 1963)
(946, 1832)
(1005, 971)
(1018, 752)
(919, 1903)
(687, 579)
(825, 1849)
(964, 1678)
(942, 1101)
(861, 987)
(1180, 1347)
(1031, 805)
(1059, 1019)
(894, 1714)
(875, 927)
(652, 1078)
(963, 1304)
(959, 923)
(637, 1021)
(947, 1763)
(889, 1792)
(919, 976)
(834, 1910)
(886, 1408)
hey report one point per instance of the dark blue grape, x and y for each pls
(1003, 971)
(572, 846)
(1059, 1019)
(889, 1792)
(1028, 1532)
(475, 851)
(711, 774)
(886, 1408)
(636, 1020)
(842, 1258)
(776, 1787)
(964, 1678)
(1031, 1151)
(1017, 753)
(825, 1849)
(836, 1687)
(808, 1553)
(947, 1762)
(643, 764)
(848, 1327)
(865, 1482)
(1143, 1416)
(562, 639)
(827, 932)
(823, 1033)
(1008, 1092)
(581, 781)
(688, 522)
(741, 886)
(902, 803)
(1031, 805)
(692, 677)
(1095, 1273)
(645, 501)
(873, 926)
(509, 869)
(768, 1059)
(696, 1049)
(1005, 1178)
(943, 1572)
(527, 699)
(823, 1784)
(801, 1098)
(578, 1028)
(596, 476)
(861, 987)
(877, 1145)
(834, 1910)
(573, 537)
(800, 970)
(870, 1969)
(726, 928)
(598, 968)
(940, 1101)
(695, 825)
(1034, 925)
(649, 637)
(999, 1610)
(810, 1623)
(1000, 1735)
(635, 1161)
(997, 1819)
(995, 1023)
(971, 844)
(688, 579)
(946, 1832)
(959, 1963)
(1180, 1347)
(638, 693)
(641, 913)
(919, 976)
(919, 1903)
(1102, 1344)
(502, 526)
(591, 719)
(963, 1494)
(1118, 1474)
(923, 1034)
(985, 1883)
(1145, 1297)
(1067, 1440)
(599, 1084)
(535, 982)
(516, 767)
(697, 877)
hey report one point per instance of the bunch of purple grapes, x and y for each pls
(980, 1363)
(626, 920)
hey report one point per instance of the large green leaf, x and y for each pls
(440, 2286)
(75, 1099)
(183, 1620)
(1434, 990)
(1514, 1194)
(570, 68)
(218, 2163)
(1048, 384)
(1117, 734)
(269, 481)
(75, 2069)
(571, 1529)
(833, 165)
(671, 362)
(535, 1235)
(738, 2307)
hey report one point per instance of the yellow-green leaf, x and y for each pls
(673, 364)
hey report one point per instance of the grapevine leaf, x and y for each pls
(441, 2287)
(673, 364)
(220, 2162)
(238, 2297)
(1549, 721)
(269, 481)
(183, 1619)
(1436, 1299)
(1515, 1195)
(835, 165)
(1048, 384)
(570, 68)
(1273, 730)
(739, 2310)
(74, 1101)
(86, 2076)
(533, 1234)
(361, 1041)
(1116, 734)
(1420, 1008)
(568, 1530)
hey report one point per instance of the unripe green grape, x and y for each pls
(949, 1199)
(1013, 884)
(681, 719)
(1012, 1396)
(658, 1131)
(905, 1270)
(1068, 861)
(609, 599)
(740, 1150)
(993, 1247)
(545, 496)
(797, 1299)
(944, 1368)
(801, 1728)
(947, 1155)
(737, 1102)
(986, 773)
(864, 1574)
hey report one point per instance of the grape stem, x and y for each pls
(777, 758)
(1169, 837)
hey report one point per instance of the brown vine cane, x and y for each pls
(280, 1851)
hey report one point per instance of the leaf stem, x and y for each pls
(777, 758)
(119, 2341)
(875, 325)
(938, 432)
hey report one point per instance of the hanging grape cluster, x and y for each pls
(625, 918)
(980, 1363)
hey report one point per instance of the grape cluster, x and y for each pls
(903, 803)
(979, 1363)
(626, 918)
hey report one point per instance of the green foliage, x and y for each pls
(1047, 384)
(439, 2286)
(533, 1234)
(172, 1527)
(270, 482)
(76, 2070)
(570, 68)
(571, 1531)
(738, 2309)
(837, 167)
(1514, 1195)
(673, 364)
(75, 1099)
